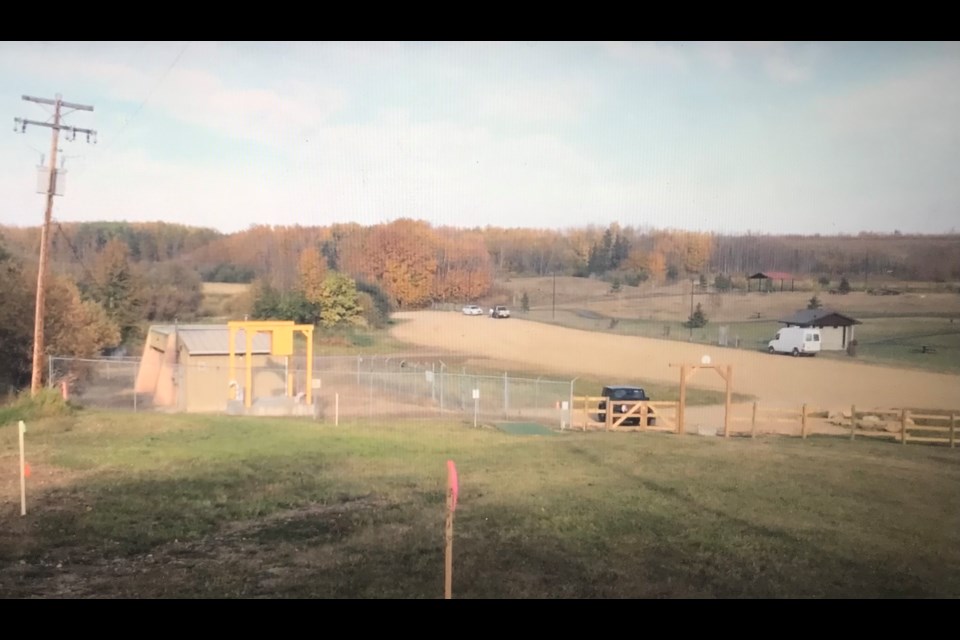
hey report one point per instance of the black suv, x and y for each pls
(623, 399)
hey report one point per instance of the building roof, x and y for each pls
(772, 275)
(819, 318)
(213, 339)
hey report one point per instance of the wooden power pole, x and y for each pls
(20, 124)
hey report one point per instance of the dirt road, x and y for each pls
(775, 380)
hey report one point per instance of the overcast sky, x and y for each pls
(726, 137)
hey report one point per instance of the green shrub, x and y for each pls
(47, 403)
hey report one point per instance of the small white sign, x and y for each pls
(565, 405)
(429, 375)
(476, 394)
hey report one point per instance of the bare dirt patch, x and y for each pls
(780, 381)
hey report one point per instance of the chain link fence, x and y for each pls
(342, 387)
(107, 383)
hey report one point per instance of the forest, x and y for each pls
(107, 279)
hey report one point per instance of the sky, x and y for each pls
(725, 137)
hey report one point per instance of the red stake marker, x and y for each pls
(453, 489)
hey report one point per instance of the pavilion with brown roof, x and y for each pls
(769, 277)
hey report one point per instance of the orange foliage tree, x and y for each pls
(400, 256)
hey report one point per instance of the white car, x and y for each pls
(472, 310)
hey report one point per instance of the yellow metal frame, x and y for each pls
(281, 343)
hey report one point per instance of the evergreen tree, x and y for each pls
(697, 319)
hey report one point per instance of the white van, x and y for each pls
(797, 341)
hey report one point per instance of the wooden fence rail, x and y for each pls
(664, 413)
(937, 426)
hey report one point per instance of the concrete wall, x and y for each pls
(835, 338)
(206, 379)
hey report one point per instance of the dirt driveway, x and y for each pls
(780, 381)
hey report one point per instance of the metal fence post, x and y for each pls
(442, 366)
(50, 371)
(506, 395)
(570, 416)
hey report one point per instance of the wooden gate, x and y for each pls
(593, 417)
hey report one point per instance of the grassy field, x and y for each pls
(894, 329)
(591, 386)
(181, 506)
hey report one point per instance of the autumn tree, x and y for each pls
(72, 327)
(171, 291)
(116, 286)
(270, 303)
(75, 327)
(338, 300)
(313, 273)
(16, 322)
(400, 257)
(464, 270)
(374, 304)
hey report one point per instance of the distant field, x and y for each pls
(894, 329)
(226, 507)
(672, 302)
(224, 288)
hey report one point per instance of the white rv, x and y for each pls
(797, 341)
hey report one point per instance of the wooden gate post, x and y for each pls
(683, 399)
(726, 412)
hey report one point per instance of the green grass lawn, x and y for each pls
(883, 339)
(146, 505)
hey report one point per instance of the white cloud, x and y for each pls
(557, 102)
(718, 54)
(781, 68)
(921, 107)
(647, 53)
(271, 111)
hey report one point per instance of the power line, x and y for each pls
(74, 250)
(149, 95)
(56, 127)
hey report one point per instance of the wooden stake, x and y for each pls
(853, 422)
(753, 421)
(803, 421)
(903, 426)
(683, 398)
(726, 413)
(448, 554)
(953, 422)
(23, 482)
(453, 488)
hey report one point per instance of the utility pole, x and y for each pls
(20, 124)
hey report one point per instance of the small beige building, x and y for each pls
(836, 329)
(186, 367)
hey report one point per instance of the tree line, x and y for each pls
(109, 278)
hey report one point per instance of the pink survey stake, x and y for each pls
(452, 482)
